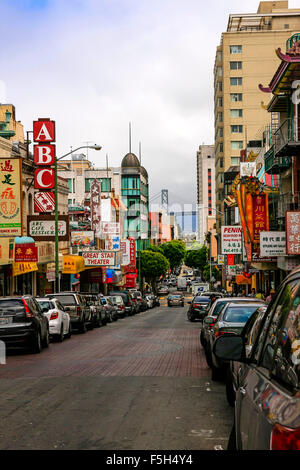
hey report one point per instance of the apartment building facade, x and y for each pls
(206, 192)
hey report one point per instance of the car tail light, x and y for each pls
(133, 300)
(54, 315)
(283, 438)
(221, 333)
(28, 312)
(78, 311)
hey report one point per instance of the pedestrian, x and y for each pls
(253, 292)
(270, 296)
(260, 295)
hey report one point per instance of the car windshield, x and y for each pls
(117, 299)
(175, 297)
(12, 306)
(239, 314)
(218, 307)
(46, 304)
(67, 299)
(201, 299)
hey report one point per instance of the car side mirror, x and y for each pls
(209, 320)
(229, 348)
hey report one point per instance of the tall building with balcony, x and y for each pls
(244, 57)
(206, 192)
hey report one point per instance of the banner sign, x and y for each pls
(99, 258)
(26, 252)
(260, 220)
(110, 228)
(96, 207)
(221, 260)
(44, 201)
(248, 169)
(10, 197)
(231, 239)
(125, 249)
(86, 238)
(292, 227)
(42, 227)
(272, 244)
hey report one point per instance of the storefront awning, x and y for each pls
(73, 264)
(23, 268)
(265, 266)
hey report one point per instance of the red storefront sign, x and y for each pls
(44, 130)
(26, 252)
(44, 178)
(260, 221)
(44, 154)
(132, 264)
(230, 260)
(44, 201)
(292, 224)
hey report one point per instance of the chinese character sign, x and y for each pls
(260, 220)
(272, 244)
(292, 232)
(10, 197)
(96, 207)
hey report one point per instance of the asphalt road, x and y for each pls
(137, 384)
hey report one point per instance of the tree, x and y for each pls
(155, 248)
(174, 251)
(153, 265)
(197, 258)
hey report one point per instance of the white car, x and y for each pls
(59, 319)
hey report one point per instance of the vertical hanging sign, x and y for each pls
(44, 158)
(10, 197)
(260, 221)
(96, 207)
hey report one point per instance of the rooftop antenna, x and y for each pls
(107, 168)
(129, 137)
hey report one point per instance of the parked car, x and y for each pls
(135, 301)
(118, 302)
(198, 307)
(129, 307)
(150, 300)
(214, 310)
(75, 305)
(58, 318)
(163, 291)
(231, 320)
(175, 299)
(23, 324)
(249, 334)
(144, 305)
(267, 402)
(110, 308)
(138, 298)
(98, 316)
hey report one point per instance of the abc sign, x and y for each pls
(44, 178)
(44, 154)
(44, 130)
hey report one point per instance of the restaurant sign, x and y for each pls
(42, 227)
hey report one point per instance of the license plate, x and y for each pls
(5, 320)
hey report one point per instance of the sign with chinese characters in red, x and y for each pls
(292, 224)
(44, 157)
(26, 252)
(132, 264)
(10, 197)
(96, 207)
(260, 221)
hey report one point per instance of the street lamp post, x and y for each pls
(95, 147)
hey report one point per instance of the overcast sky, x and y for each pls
(95, 65)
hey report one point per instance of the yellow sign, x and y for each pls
(10, 197)
(23, 268)
(73, 264)
(6, 250)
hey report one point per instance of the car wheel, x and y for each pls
(46, 340)
(230, 393)
(191, 318)
(216, 374)
(37, 343)
(69, 334)
(60, 337)
(83, 328)
(208, 357)
(202, 341)
(103, 321)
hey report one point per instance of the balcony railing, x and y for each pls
(275, 164)
(286, 139)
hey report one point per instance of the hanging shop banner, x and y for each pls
(86, 238)
(260, 221)
(10, 197)
(230, 260)
(110, 228)
(106, 210)
(96, 207)
(245, 209)
(99, 258)
(125, 249)
(42, 227)
(292, 227)
(7, 250)
(231, 239)
(272, 244)
(132, 263)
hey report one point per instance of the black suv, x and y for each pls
(75, 305)
(23, 324)
(267, 376)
